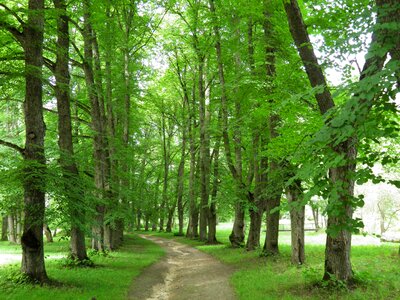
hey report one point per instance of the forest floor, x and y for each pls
(184, 273)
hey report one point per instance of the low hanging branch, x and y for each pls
(13, 13)
(13, 146)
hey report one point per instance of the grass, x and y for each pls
(111, 278)
(377, 270)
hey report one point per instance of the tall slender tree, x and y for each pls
(72, 190)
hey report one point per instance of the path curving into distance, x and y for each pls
(183, 273)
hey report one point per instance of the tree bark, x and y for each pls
(212, 212)
(192, 229)
(138, 219)
(315, 212)
(181, 168)
(34, 181)
(180, 193)
(297, 210)
(98, 128)
(155, 211)
(166, 162)
(204, 152)
(257, 203)
(4, 227)
(146, 223)
(47, 232)
(105, 159)
(72, 190)
(12, 235)
(18, 226)
(113, 239)
(170, 219)
(275, 181)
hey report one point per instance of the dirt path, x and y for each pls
(184, 273)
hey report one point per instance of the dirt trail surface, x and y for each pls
(184, 273)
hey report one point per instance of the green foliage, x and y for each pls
(13, 276)
(71, 263)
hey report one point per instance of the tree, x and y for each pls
(338, 244)
(70, 169)
(34, 196)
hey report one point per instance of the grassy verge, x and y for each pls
(377, 269)
(111, 278)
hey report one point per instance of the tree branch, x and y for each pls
(49, 64)
(76, 25)
(13, 146)
(14, 31)
(16, 57)
(76, 63)
(77, 50)
(13, 13)
(75, 118)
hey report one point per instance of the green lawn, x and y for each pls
(111, 278)
(377, 268)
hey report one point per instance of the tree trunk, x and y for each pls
(212, 212)
(146, 223)
(108, 237)
(238, 232)
(256, 208)
(12, 236)
(97, 126)
(192, 229)
(253, 239)
(4, 227)
(272, 233)
(181, 172)
(166, 161)
(72, 190)
(170, 219)
(168, 227)
(105, 159)
(315, 212)
(118, 233)
(18, 227)
(47, 232)
(34, 181)
(256, 200)
(237, 235)
(275, 181)
(337, 251)
(297, 210)
(204, 153)
(138, 220)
